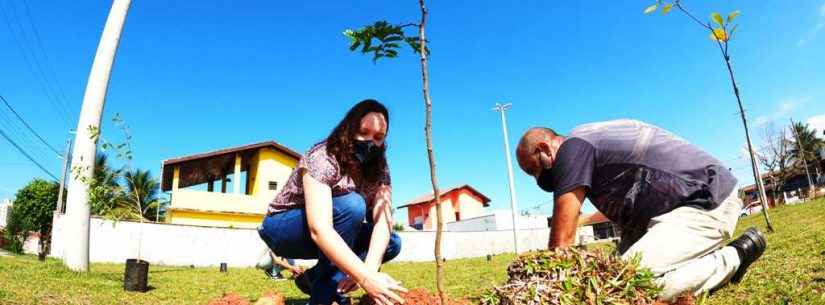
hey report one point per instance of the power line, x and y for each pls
(43, 81)
(24, 139)
(27, 155)
(28, 126)
(50, 68)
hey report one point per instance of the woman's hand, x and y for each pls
(382, 288)
(347, 285)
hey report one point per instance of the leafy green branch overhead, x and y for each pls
(382, 39)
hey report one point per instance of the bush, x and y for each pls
(398, 227)
(13, 235)
(32, 210)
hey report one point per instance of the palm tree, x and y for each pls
(142, 190)
(811, 145)
(103, 173)
(104, 190)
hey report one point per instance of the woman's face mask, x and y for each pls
(366, 151)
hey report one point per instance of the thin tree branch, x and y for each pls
(439, 262)
(681, 8)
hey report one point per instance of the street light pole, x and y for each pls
(501, 108)
(76, 256)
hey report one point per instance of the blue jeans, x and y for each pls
(287, 234)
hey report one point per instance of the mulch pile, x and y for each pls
(572, 276)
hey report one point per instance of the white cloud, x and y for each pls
(817, 122)
(782, 111)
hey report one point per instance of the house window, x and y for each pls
(273, 185)
(457, 216)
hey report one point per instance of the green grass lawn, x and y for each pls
(792, 271)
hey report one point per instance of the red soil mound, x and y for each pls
(418, 296)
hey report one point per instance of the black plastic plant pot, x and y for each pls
(136, 277)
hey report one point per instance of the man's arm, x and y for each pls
(566, 210)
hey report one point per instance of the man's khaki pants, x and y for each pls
(685, 248)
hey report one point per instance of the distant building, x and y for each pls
(5, 209)
(498, 220)
(247, 178)
(457, 203)
(595, 227)
(795, 186)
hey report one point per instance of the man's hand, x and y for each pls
(566, 209)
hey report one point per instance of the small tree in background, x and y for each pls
(776, 158)
(32, 211)
(721, 31)
(383, 39)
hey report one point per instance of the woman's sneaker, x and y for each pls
(274, 275)
(750, 247)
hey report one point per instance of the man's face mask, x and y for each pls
(366, 151)
(545, 177)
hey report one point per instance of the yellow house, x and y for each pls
(249, 177)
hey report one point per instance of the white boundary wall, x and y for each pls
(171, 244)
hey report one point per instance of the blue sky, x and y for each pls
(192, 77)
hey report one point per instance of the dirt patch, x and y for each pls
(271, 298)
(229, 299)
(268, 298)
(418, 296)
(682, 300)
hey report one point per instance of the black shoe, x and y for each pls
(750, 247)
(303, 283)
(271, 274)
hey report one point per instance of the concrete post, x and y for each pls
(236, 176)
(83, 156)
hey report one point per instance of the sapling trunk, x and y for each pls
(428, 134)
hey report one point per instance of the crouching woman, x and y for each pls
(336, 208)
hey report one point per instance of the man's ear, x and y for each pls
(545, 148)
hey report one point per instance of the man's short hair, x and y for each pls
(528, 142)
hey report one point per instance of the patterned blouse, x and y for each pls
(324, 168)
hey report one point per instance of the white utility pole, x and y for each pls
(66, 155)
(76, 256)
(501, 108)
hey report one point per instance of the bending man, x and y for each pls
(674, 203)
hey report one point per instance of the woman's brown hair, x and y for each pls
(340, 143)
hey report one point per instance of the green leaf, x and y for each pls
(355, 45)
(666, 9)
(650, 9)
(733, 15)
(717, 18)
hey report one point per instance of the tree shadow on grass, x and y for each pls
(297, 301)
(170, 270)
